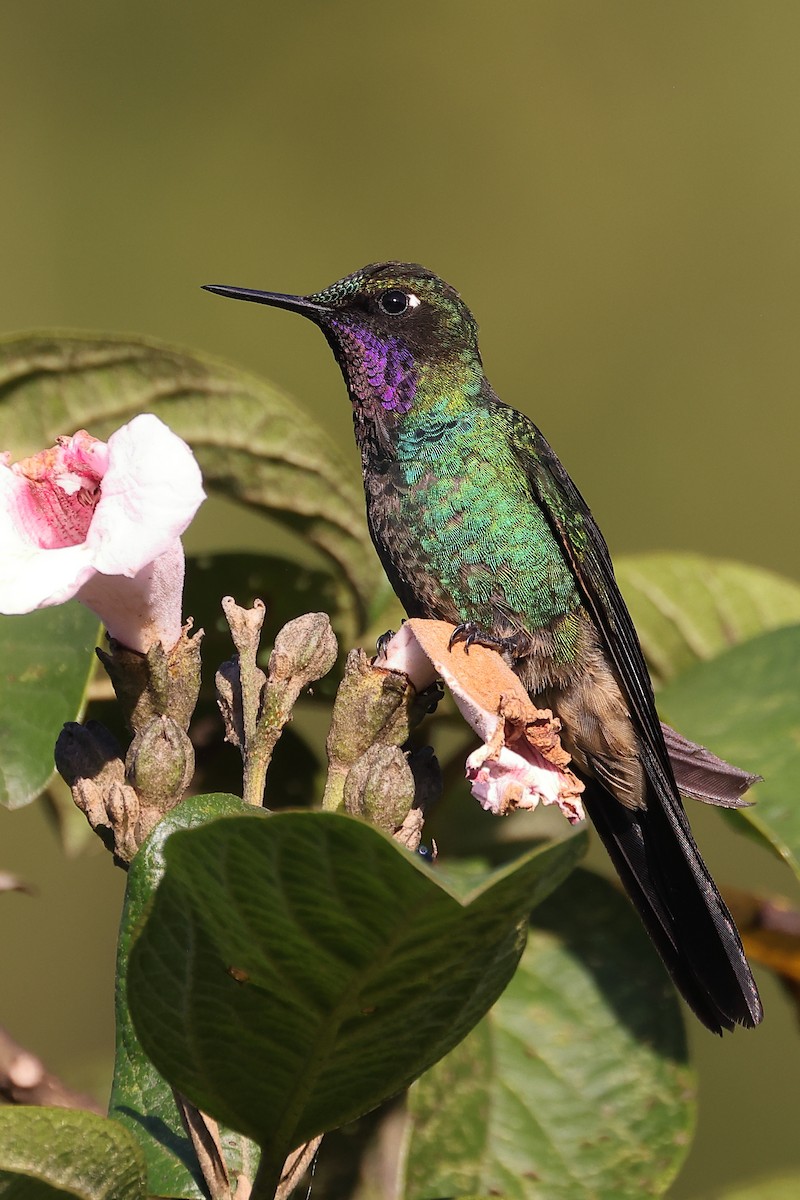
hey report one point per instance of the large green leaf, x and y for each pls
(250, 440)
(745, 706)
(141, 1099)
(47, 660)
(687, 607)
(52, 1153)
(576, 1085)
(294, 971)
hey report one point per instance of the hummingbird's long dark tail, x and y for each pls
(661, 869)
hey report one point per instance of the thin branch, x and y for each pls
(296, 1166)
(255, 707)
(203, 1133)
(24, 1079)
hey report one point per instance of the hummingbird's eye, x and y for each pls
(394, 302)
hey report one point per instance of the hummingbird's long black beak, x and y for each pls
(295, 303)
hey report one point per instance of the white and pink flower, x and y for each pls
(102, 521)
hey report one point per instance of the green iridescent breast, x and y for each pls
(472, 512)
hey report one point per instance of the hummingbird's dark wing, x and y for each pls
(652, 848)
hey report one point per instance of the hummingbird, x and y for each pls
(477, 523)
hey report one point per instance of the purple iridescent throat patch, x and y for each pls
(378, 369)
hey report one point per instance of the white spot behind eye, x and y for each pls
(413, 301)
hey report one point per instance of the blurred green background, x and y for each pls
(615, 189)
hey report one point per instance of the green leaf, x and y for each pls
(48, 659)
(251, 441)
(576, 1085)
(141, 1099)
(745, 706)
(295, 971)
(46, 1153)
(687, 607)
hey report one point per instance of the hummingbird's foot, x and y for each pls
(384, 639)
(471, 634)
(431, 697)
(383, 642)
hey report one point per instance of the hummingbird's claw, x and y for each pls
(471, 634)
(383, 642)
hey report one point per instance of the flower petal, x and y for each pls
(510, 781)
(150, 493)
(142, 610)
(32, 578)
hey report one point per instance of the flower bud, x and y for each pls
(380, 787)
(160, 764)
